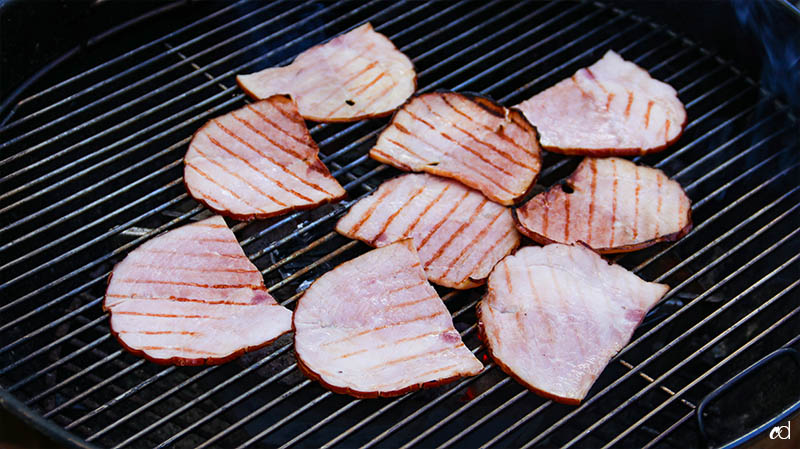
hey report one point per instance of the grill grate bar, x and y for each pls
(680, 338)
(101, 66)
(724, 361)
(670, 429)
(483, 419)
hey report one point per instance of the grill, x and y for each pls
(91, 168)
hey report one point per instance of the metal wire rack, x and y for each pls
(91, 168)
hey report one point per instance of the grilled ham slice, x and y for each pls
(612, 107)
(468, 138)
(459, 234)
(374, 326)
(615, 206)
(191, 297)
(554, 316)
(258, 162)
(357, 75)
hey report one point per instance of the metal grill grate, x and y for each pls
(91, 168)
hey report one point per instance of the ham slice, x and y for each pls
(258, 162)
(374, 326)
(191, 297)
(459, 234)
(612, 107)
(554, 316)
(468, 138)
(357, 75)
(615, 206)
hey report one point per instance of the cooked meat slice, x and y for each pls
(459, 234)
(554, 316)
(191, 297)
(258, 162)
(374, 326)
(464, 137)
(357, 75)
(612, 107)
(615, 206)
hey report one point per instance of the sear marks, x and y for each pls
(615, 206)
(471, 139)
(258, 162)
(374, 326)
(192, 297)
(554, 316)
(357, 75)
(459, 234)
(612, 107)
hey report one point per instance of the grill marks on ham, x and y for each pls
(374, 326)
(258, 162)
(471, 139)
(357, 75)
(615, 206)
(554, 316)
(459, 235)
(192, 297)
(612, 107)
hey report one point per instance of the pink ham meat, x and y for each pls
(258, 162)
(191, 297)
(357, 75)
(471, 139)
(616, 206)
(459, 234)
(554, 316)
(373, 327)
(612, 107)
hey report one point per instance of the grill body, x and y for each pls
(91, 168)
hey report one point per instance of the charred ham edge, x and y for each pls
(313, 375)
(402, 208)
(620, 150)
(569, 182)
(313, 161)
(218, 222)
(400, 58)
(488, 105)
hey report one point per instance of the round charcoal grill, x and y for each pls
(91, 168)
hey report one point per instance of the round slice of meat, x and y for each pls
(467, 138)
(612, 107)
(459, 234)
(610, 204)
(374, 326)
(554, 316)
(258, 162)
(191, 297)
(357, 75)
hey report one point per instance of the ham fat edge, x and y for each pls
(191, 297)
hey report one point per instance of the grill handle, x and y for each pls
(782, 352)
